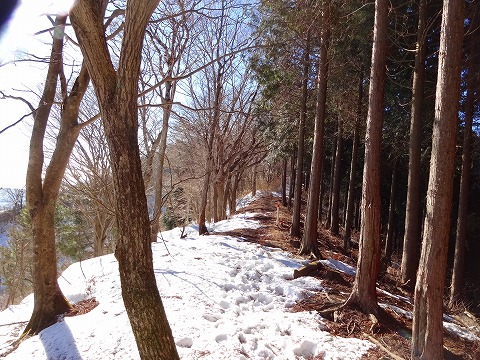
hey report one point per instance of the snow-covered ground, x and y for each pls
(224, 298)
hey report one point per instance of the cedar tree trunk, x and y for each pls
(427, 329)
(413, 209)
(364, 292)
(309, 241)
(353, 166)
(297, 201)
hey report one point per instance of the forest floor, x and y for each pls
(392, 337)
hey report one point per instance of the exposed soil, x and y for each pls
(392, 333)
(82, 307)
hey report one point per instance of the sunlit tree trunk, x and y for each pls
(427, 329)
(364, 292)
(42, 196)
(117, 92)
(309, 241)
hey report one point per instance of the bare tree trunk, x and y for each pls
(413, 210)
(364, 292)
(202, 228)
(254, 181)
(233, 195)
(49, 301)
(334, 216)
(157, 208)
(427, 329)
(226, 196)
(102, 223)
(117, 92)
(351, 183)
(309, 241)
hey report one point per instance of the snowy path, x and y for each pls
(224, 298)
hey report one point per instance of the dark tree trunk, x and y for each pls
(284, 183)
(291, 189)
(254, 181)
(334, 216)
(215, 202)
(328, 221)
(364, 293)
(297, 202)
(233, 193)
(413, 210)
(117, 92)
(309, 241)
(458, 273)
(202, 227)
(358, 214)
(353, 166)
(391, 216)
(427, 329)
(321, 194)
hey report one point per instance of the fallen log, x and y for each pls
(307, 270)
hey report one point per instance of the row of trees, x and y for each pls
(412, 40)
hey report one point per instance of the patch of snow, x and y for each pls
(398, 297)
(224, 299)
(340, 266)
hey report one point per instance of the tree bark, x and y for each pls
(157, 209)
(297, 202)
(334, 216)
(117, 92)
(202, 228)
(309, 241)
(427, 329)
(413, 210)
(284, 182)
(42, 196)
(458, 273)
(364, 292)
(328, 221)
(353, 166)
(291, 188)
(391, 216)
